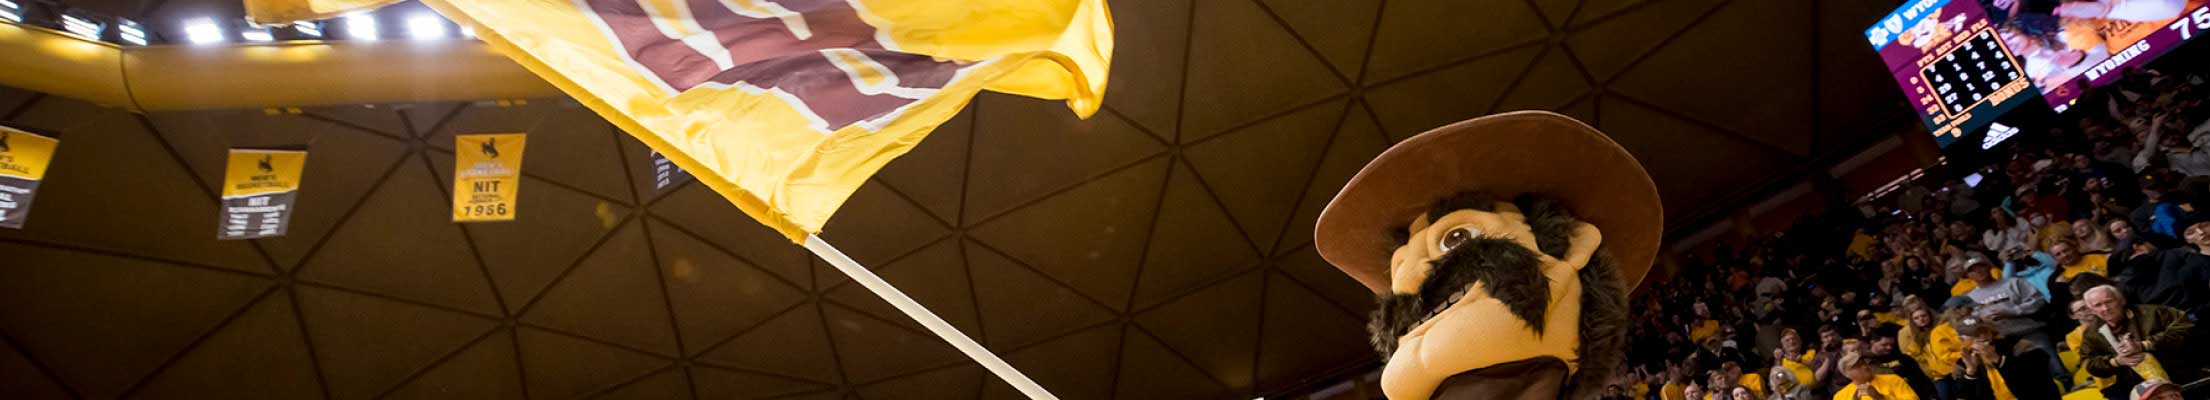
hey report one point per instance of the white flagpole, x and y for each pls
(927, 319)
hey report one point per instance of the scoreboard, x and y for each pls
(1958, 73)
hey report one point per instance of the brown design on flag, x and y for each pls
(792, 56)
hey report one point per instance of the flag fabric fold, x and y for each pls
(784, 107)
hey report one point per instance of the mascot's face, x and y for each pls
(1447, 256)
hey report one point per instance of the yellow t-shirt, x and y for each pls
(1894, 387)
(1673, 391)
(1943, 349)
(1641, 390)
(1755, 382)
(1703, 330)
(1963, 286)
(2096, 263)
(1801, 367)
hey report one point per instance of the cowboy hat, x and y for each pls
(1506, 154)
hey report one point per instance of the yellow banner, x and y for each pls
(23, 160)
(24, 155)
(260, 186)
(487, 173)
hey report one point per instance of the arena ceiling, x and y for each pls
(1160, 250)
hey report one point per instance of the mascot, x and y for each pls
(1502, 249)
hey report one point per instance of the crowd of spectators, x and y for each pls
(2073, 268)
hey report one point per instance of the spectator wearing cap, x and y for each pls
(2157, 390)
(2181, 279)
(1985, 372)
(2126, 337)
(2011, 307)
(1865, 382)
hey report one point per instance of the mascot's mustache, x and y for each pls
(1511, 273)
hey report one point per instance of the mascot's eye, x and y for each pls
(1457, 236)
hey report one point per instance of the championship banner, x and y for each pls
(23, 160)
(259, 188)
(487, 174)
(666, 174)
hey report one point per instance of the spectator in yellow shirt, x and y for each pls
(1864, 384)
(2075, 262)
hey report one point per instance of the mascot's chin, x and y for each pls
(1502, 250)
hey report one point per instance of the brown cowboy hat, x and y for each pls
(1505, 154)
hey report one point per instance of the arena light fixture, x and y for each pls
(361, 26)
(425, 27)
(308, 29)
(203, 31)
(82, 25)
(130, 32)
(256, 33)
(11, 11)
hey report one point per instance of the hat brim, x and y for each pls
(1505, 154)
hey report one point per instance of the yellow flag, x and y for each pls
(786, 106)
(300, 10)
(487, 174)
(24, 157)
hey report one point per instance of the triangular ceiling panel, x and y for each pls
(422, 119)
(565, 144)
(1057, 151)
(1308, 269)
(1418, 35)
(374, 120)
(956, 383)
(561, 367)
(101, 322)
(1551, 82)
(792, 343)
(344, 164)
(1021, 307)
(1337, 29)
(1148, 370)
(1303, 337)
(612, 295)
(1199, 246)
(1356, 141)
(1557, 11)
(12, 98)
(870, 349)
(1723, 84)
(552, 228)
(1609, 46)
(367, 345)
(1685, 177)
(110, 172)
(1596, 10)
(1583, 109)
(644, 177)
(936, 277)
(668, 384)
(1216, 328)
(259, 355)
(704, 214)
(876, 227)
(1245, 67)
(21, 379)
(717, 383)
(402, 242)
(1078, 366)
(1409, 106)
(714, 295)
(1090, 237)
(1258, 170)
(934, 173)
(1149, 38)
(486, 370)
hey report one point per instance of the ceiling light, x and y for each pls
(468, 32)
(256, 34)
(423, 27)
(308, 29)
(203, 31)
(11, 11)
(361, 26)
(82, 25)
(129, 31)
